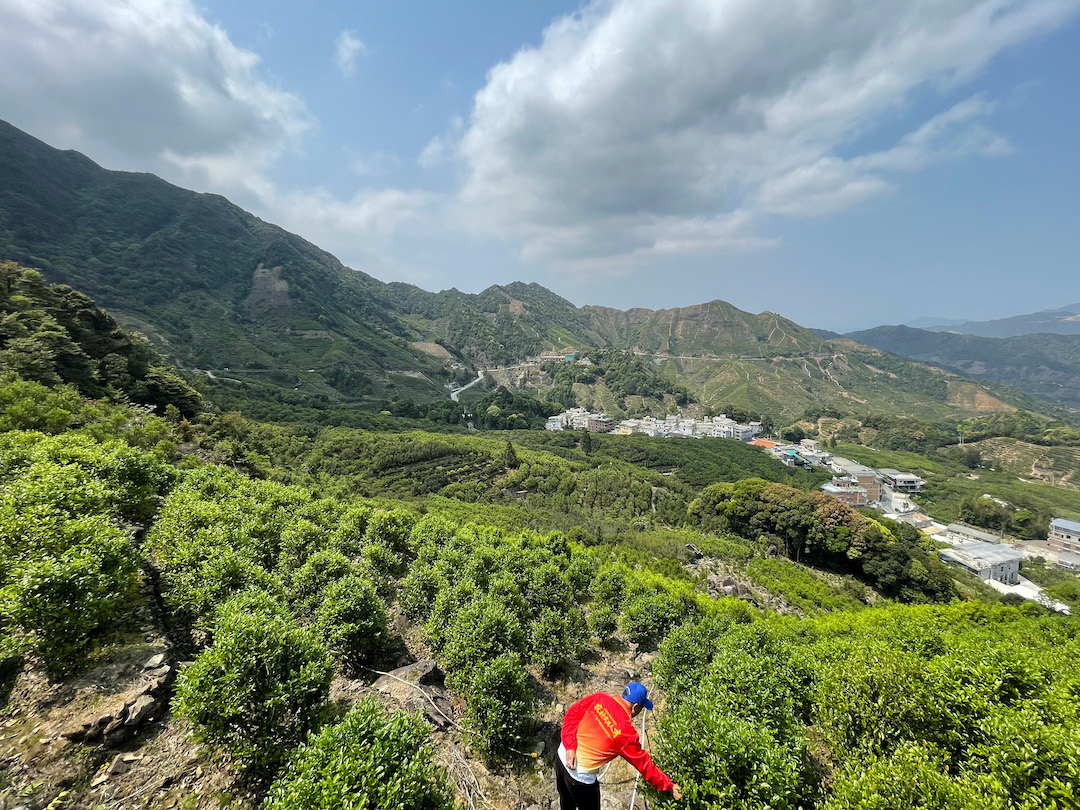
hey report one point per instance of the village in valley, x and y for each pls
(996, 560)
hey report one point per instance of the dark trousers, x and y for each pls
(575, 795)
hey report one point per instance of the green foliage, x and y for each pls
(558, 639)
(261, 686)
(66, 568)
(603, 622)
(352, 622)
(368, 761)
(623, 373)
(51, 334)
(500, 706)
(958, 706)
(799, 587)
(62, 600)
(817, 529)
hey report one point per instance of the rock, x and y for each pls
(118, 766)
(729, 582)
(155, 662)
(400, 682)
(140, 710)
(160, 672)
(560, 708)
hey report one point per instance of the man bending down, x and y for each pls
(595, 730)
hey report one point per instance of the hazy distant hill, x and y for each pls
(1062, 321)
(931, 322)
(1047, 365)
(270, 315)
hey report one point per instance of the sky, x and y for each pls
(843, 163)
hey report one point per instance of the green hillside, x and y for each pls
(280, 328)
(215, 287)
(290, 568)
(1047, 365)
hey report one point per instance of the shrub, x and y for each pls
(725, 761)
(260, 688)
(647, 617)
(390, 528)
(352, 622)
(558, 639)
(63, 599)
(912, 777)
(313, 577)
(603, 622)
(500, 705)
(478, 633)
(366, 762)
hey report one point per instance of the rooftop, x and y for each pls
(982, 555)
(967, 531)
(1067, 525)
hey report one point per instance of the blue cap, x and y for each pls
(635, 693)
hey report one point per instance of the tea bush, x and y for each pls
(352, 622)
(558, 639)
(500, 707)
(368, 761)
(260, 687)
(60, 601)
(66, 568)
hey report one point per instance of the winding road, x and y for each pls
(479, 377)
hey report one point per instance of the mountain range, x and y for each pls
(1061, 321)
(262, 311)
(1047, 365)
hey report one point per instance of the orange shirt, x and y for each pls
(599, 728)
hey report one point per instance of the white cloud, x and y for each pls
(151, 85)
(347, 50)
(142, 85)
(641, 128)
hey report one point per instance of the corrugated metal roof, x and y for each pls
(1067, 525)
(982, 555)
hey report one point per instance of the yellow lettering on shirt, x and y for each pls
(606, 721)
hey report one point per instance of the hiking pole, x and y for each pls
(633, 795)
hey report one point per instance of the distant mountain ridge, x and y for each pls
(1047, 365)
(260, 309)
(1062, 321)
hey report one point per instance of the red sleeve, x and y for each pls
(637, 756)
(570, 723)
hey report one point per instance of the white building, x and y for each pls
(1064, 535)
(987, 560)
(901, 481)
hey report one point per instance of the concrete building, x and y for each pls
(987, 560)
(847, 491)
(1064, 535)
(1068, 561)
(902, 482)
(866, 477)
(967, 534)
(599, 423)
(916, 519)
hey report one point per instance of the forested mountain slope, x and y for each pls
(272, 318)
(1047, 365)
(217, 287)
